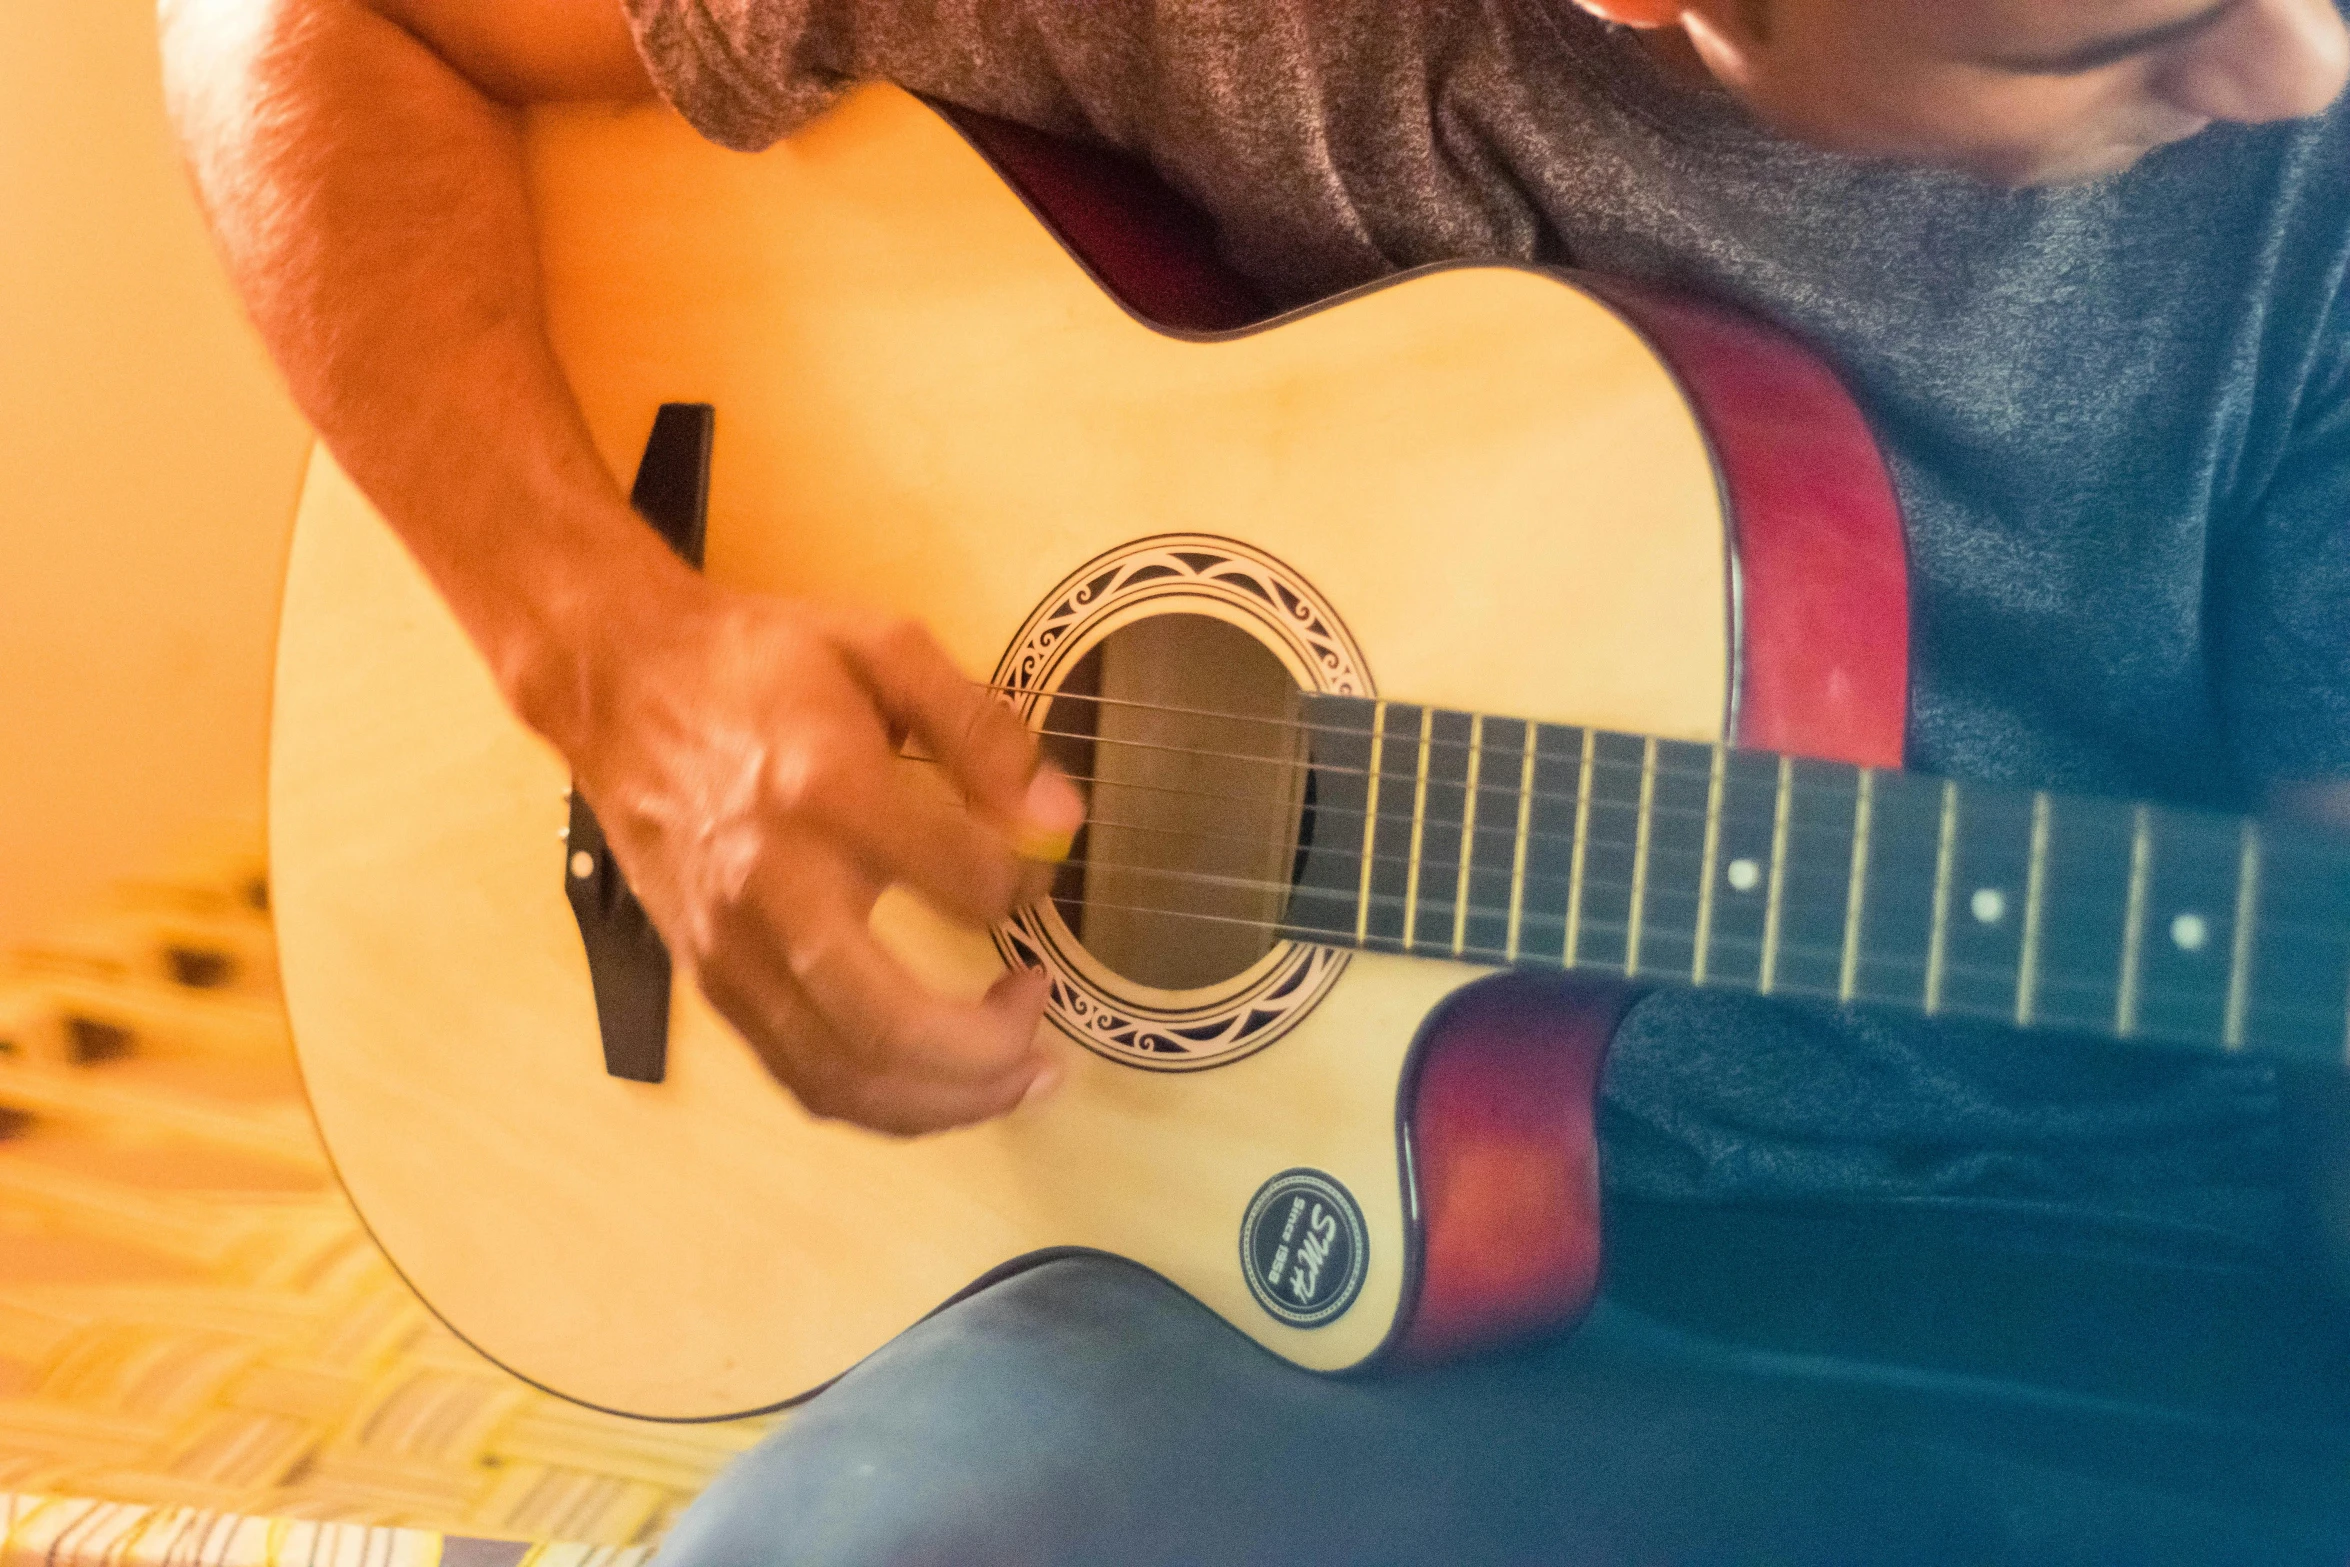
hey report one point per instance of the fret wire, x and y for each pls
(1435, 866)
(1209, 753)
(2055, 915)
(1663, 770)
(1338, 811)
(1863, 803)
(1582, 843)
(1802, 880)
(1432, 865)
(2240, 957)
(2046, 903)
(2055, 907)
(1945, 860)
(1708, 864)
(1518, 855)
(1321, 938)
(1798, 988)
(1920, 868)
(1768, 972)
(1640, 837)
(2125, 1007)
(1324, 937)
(2027, 975)
(1460, 893)
(1292, 725)
(1411, 881)
(1371, 820)
(2326, 1012)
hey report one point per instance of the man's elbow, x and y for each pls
(530, 51)
(512, 51)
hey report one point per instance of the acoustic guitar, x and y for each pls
(1443, 663)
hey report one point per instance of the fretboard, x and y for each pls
(1497, 841)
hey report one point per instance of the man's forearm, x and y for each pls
(365, 181)
(368, 198)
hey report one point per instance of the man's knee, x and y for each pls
(975, 1437)
(804, 1497)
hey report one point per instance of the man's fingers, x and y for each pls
(976, 738)
(903, 827)
(865, 994)
(905, 1090)
(767, 806)
(867, 997)
(911, 1100)
(909, 1105)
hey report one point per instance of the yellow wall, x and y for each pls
(148, 464)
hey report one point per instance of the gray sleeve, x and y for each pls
(2286, 595)
(747, 72)
(1306, 131)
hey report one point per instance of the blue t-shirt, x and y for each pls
(2118, 415)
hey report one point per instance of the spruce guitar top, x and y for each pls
(1485, 620)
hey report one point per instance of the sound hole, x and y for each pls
(1183, 731)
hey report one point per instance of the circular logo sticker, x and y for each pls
(1304, 1248)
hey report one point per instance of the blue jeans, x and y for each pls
(1087, 1412)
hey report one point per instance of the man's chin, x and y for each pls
(2016, 165)
(2022, 169)
(2075, 166)
(2080, 169)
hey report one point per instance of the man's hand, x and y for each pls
(361, 164)
(742, 754)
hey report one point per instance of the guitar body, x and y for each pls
(1483, 488)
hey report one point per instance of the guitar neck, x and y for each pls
(1494, 840)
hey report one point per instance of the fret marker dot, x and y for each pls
(583, 865)
(1989, 904)
(1745, 875)
(2190, 931)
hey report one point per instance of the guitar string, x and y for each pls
(1829, 785)
(1918, 862)
(1404, 741)
(1784, 985)
(1473, 951)
(1486, 830)
(1296, 726)
(1838, 873)
(1392, 731)
(1822, 790)
(1304, 934)
(1830, 788)
(1445, 871)
(1895, 863)
(1294, 892)
(1744, 811)
(1832, 872)
(1435, 866)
